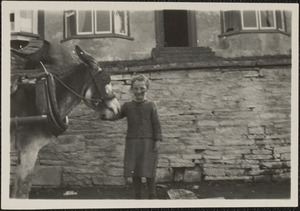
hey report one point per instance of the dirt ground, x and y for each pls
(203, 190)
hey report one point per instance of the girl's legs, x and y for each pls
(151, 184)
(137, 185)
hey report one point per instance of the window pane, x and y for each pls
(85, 22)
(103, 21)
(280, 20)
(232, 21)
(267, 18)
(249, 18)
(70, 24)
(26, 21)
(120, 22)
(12, 21)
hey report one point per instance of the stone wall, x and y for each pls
(218, 124)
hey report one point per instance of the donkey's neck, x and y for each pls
(75, 80)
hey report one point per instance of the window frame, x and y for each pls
(283, 23)
(125, 24)
(260, 20)
(97, 34)
(258, 29)
(66, 17)
(110, 25)
(256, 19)
(77, 23)
(17, 20)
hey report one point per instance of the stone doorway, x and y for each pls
(175, 28)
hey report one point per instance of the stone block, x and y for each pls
(281, 177)
(279, 150)
(285, 156)
(108, 180)
(171, 148)
(77, 180)
(52, 162)
(271, 165)
(163, 163)
(266, 178)
(47, 176)
(115, 172)
(270, 129)
(83, 169)
(212, 157)
(259, 157)
(164, 175)
(286, 164)
(214, 172)
(261, 152)
(256, 130)
(181, 194)
(234, 172)
(178, 174)
(256, 172)
(192, 175)
(232, 157)
(191, 156)
(216, 178)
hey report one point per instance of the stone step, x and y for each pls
(181, 49)
(170, 60)
(180, 54)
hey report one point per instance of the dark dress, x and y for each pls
(143, 129)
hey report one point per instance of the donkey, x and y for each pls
(87, 82)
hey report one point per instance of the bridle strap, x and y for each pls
(94, 81)
(107, 97)
(72, 91)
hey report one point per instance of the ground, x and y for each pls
(203, 190)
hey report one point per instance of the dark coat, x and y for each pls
(143, 130)
(142, 119)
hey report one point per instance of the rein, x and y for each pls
(72, 91)
(106, 77)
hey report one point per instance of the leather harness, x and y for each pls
(46, 104)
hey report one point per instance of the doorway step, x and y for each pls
(182, 54)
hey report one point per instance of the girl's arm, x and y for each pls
(157, 132)
(120, 115)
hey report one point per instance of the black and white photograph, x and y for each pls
(149, 105)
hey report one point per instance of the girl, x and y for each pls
(143, 137)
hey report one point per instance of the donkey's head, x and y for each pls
(98, 91)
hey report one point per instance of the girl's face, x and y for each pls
(139, 89)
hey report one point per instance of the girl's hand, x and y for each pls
(156, 145)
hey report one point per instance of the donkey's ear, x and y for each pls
(87, 58)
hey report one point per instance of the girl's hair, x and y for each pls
(140, 77)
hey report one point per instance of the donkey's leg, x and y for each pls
(28, 156)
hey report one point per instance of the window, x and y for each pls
(232, 21)
(103, 23)
(280, 20)
(267, 19)
(84, 22)
(24, 21)
(249, 20)
(252, 20)
(88, 23)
